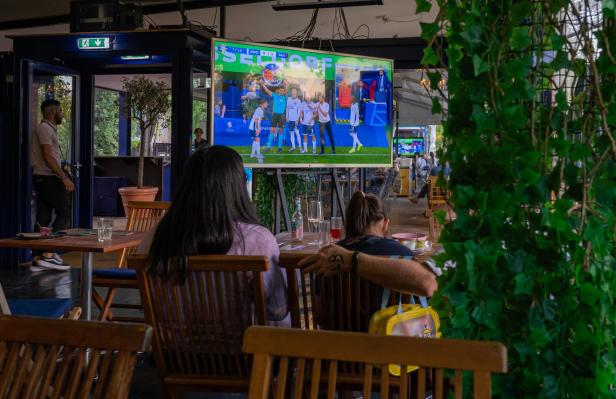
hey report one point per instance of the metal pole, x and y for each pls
(223, 17)
(86, 285)
(283, 200)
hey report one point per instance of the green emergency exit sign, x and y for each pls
(93, 43)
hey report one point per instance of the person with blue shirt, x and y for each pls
(279, 109)
(366, 226)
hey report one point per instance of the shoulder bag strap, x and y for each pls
(423, 301)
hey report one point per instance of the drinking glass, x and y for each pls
(104, 229)
(324, 233)
(336, 229)
(315, 215)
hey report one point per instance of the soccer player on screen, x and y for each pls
(354, 125)
(325, 124)
(293, 105)
(279, 107)
(255, 129)
(307, 111)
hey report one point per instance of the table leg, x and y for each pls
(86, 285)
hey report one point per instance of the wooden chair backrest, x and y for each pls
(311, 359)
(199, 325)
(436, 194)
(343, 302)
(142, 216)
(42, 358)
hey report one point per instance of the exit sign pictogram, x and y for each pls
(93, 43)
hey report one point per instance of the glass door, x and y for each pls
(49, 82)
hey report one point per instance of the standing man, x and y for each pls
(354, 126)
(279, 108)
(293, 107)
(255, 129)
(325, 124)
(361, 94)
(51, 183)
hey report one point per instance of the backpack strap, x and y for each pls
(423, 301)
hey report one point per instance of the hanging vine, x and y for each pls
(530, 138)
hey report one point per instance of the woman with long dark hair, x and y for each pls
(211, 214)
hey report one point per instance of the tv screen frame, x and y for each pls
(385, 132)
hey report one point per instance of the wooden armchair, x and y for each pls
(42, 358)
(199, 325)
(311, 359)
(142, 216)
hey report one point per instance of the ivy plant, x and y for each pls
(530, 136)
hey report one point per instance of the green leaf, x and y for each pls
(523, 285)
(589, 294)
(435, 78)
(436, 106)
(479, 65)
(520, 39)
(561, 101)
(422, 6)
(429, 57)
(429, 30)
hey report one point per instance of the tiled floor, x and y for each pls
(22, 283)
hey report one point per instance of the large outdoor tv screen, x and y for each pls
(287, 107)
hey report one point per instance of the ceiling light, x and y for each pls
(325, 4)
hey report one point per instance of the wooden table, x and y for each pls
(87, 245)
(310, 246)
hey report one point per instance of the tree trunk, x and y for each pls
(141, 157)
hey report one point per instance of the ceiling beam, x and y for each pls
(147, 10)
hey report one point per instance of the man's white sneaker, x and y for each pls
(51, 263)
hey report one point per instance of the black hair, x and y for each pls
(49, 103)
(203, 219)
(362, 211)
(198, 129)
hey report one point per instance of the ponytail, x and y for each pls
(363, 210)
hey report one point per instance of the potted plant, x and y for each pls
(146, 103)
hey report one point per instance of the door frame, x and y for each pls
(74, 154)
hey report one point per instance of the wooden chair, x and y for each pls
(42, 358)
(311, 359)
(199, 325)
(436, 194)
(343, 302)
(54, 308)
(142, 216)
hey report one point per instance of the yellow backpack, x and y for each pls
(410, 320)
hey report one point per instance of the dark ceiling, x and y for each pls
(18, 14)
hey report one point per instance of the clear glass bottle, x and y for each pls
(297, 222)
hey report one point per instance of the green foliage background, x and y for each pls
(106, 122)
(265, 195)
(534, 188)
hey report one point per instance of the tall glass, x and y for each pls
(324, 233)
(336, 229)
(315, 215)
